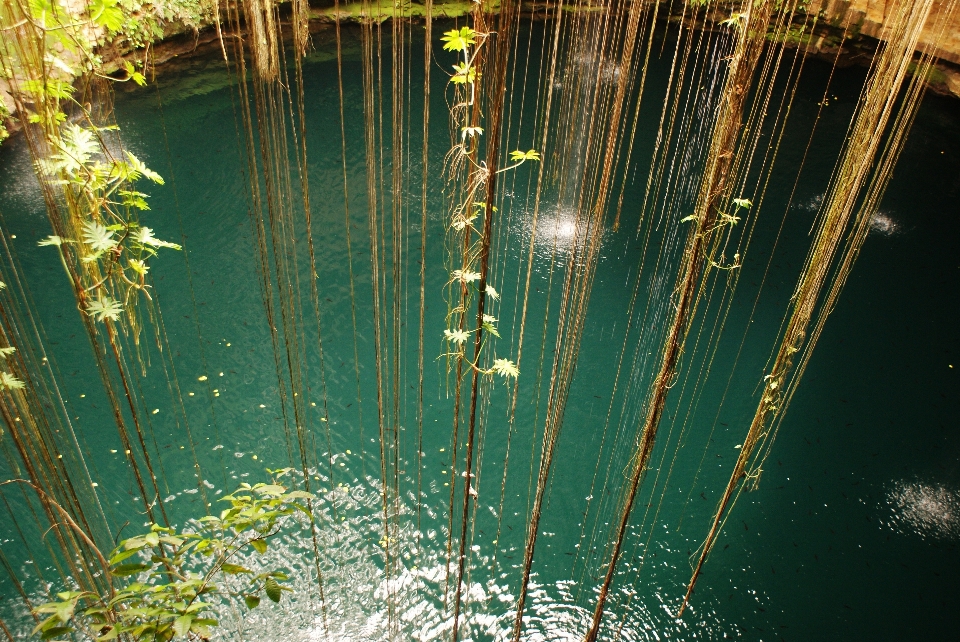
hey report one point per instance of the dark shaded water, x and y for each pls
(852, 533)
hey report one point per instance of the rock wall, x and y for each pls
(864, 22)
(869, 17)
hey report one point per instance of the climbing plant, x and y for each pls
(466, 221)
(51, 59)
(106, 202)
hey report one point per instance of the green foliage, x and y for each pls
(505, 368)
(102, 192)
(105, 244)
(488, 325)
(10, 382)
(462, 41)
(177, 576)
(522, 156)
(143, 22)
(105, 307)
(106, 13)
(4, 115)
(72, 35)
(456, 336)
(463, 74)
(459, 39)
(465, 281)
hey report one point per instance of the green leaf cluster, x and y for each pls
(520, 156)
(465, 282)
(459, 39)
(102, 190)
(177, 575)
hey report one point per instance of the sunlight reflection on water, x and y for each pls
(929, 510)
(350, 538)
(884, 224)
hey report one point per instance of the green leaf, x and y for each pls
(520, 156)
(134, 199)
(64, 610)
(10, 382)
(234, 569)
(457, 336)
(54, 88)
(505, 368)
(201, 626)
(463, 73)
(104, 308)
(458, 40)
(270, 489)
(152, 539)
(98, 237)
(492, 329)
(106, 13)
(303, 509)
(260, 545)
(252, 601)
(202, 630)
(181, 626)
(119, 557)
(137, 165)
(134, 75)
(50, 621)
(273, 590)
(133, 543)
(55, 632)
(51, 240)
(131, 569)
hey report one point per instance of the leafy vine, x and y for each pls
(465, 226)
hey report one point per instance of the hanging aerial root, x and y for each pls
(74, 527)
(495, 98)
(875, 109)
(751, 26)
(263, 36)
(301, 27)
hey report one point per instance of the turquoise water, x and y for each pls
(852, 533)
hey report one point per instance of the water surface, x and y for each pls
(852, 533)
